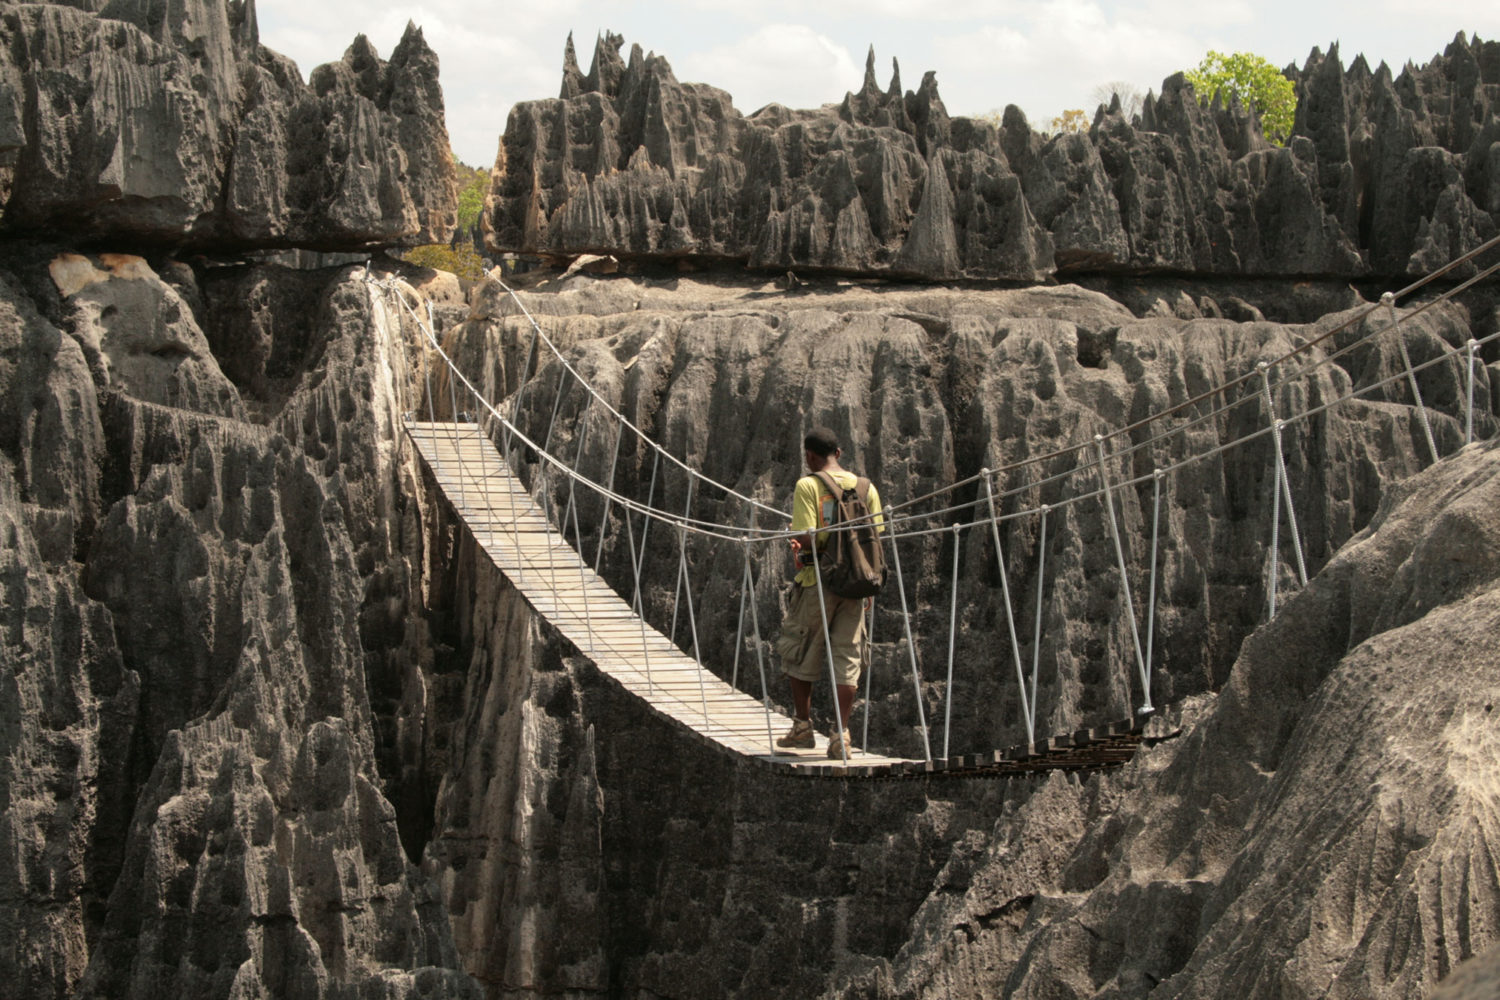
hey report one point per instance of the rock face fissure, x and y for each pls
(144, 124)
(1383, 175)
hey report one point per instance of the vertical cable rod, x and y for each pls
(583, 582)
(916, 678)
(1156, 479)
(867, 660)
(1389, 301)
(692, 621)
(609, 495)
(952, 632)
(765, 689)
(639, 616)
(682, 570)
(1282, 479)
(1036, 636)
(635, 598)
(1114, 530)
(1469, 406)
(1010, 618)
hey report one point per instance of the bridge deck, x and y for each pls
(513, 531)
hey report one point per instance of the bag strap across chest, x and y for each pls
(861, 487)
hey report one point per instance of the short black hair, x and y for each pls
(821, 441)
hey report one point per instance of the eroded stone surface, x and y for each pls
(214, 650)
(1384, 174)
(687, 875)
(174, 125)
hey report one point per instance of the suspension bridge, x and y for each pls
(479, 456)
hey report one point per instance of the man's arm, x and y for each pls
(804, 513)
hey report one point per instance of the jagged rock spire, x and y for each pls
(572, 81)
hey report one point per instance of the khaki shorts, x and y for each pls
(801, 646)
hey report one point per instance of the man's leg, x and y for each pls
(801, 697)
(846, 703)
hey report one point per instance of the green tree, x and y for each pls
(473, 185)
(460, 260)
(1256, 83)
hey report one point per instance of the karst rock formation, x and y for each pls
(1384, 175)
(270, 726)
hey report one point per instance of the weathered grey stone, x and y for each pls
(174, 125)
(1042, 895)
(214, 649)
(1382, 175)
(270, 726)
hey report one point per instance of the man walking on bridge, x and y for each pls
(801, 645)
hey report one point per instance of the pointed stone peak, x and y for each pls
(895, 88)
(244, 24)
(607, 67)
(572, 81)
(870, 86)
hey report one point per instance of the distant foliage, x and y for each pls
(1131, 98)
(1256, 83)
(1071, 120)
(461, 260)
(473, 185)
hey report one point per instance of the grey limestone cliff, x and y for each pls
(646, 863)
(1384, 175)
(270, 726)
(173, 125)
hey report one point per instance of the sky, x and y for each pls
(1044, 56)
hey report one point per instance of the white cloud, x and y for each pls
(789, 64)
(1054, 57)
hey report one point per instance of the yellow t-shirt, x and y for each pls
(813, 507)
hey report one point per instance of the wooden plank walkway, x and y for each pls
(513, 531)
